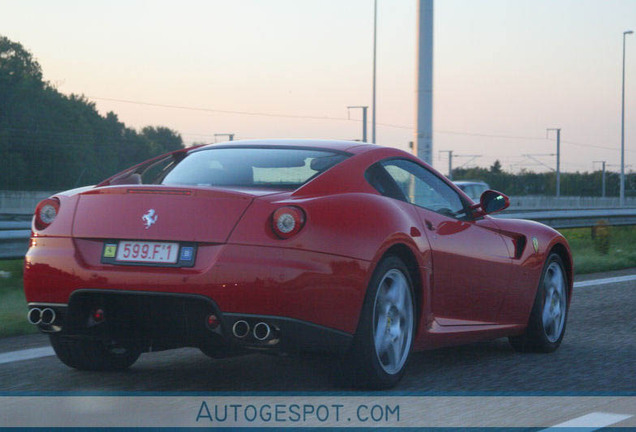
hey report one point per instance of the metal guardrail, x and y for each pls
(14, 238)
(14, 235)
(575, 218)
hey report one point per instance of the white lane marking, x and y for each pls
(605, 281)
(590, 422)
(26, 354)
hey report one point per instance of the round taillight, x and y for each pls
(287, 221)
(46, 212)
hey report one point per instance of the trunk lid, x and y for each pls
(156, 212)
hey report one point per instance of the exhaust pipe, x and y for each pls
(240, 329)
(262, 331)
(34, 316)
(48, 316)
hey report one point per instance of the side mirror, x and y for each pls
(492, 201)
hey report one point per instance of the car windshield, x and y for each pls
(286, 168)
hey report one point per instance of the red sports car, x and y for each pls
(288, 245)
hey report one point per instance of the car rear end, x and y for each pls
(154, 265)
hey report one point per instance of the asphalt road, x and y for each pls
(597, 355)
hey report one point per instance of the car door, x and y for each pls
(470, 260)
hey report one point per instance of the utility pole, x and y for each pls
(229, 135)
(622, 187)
(558, 159)
(364, 120)
(603, 178)
(450, 162)
(375, 39)
(424, 90)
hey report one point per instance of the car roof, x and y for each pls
(337, 145)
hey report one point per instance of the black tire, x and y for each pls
(539, 337)
(366, 365)
(93, 355)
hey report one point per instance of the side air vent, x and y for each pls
(520, 245)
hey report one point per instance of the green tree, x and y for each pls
(52, 141)
(163, 138)
(496, 167)
(16, 63)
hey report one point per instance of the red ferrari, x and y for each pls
(289, 245)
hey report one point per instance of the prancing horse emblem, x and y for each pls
(149, 218)
(535, 244)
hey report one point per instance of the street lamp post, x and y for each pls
(622, 189)
(375, 43)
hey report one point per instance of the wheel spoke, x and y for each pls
(401, 288)
(557, 311)
(396, 353)
(380, 335)
(547, 316)
(389, 290)
(555, 280)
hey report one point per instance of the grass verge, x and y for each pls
(587, 255)
(13, 305)
(587, 259)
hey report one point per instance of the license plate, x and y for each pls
(147, 252)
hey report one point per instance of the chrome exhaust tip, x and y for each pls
(240, 329)
(48, 316)
(34, 316)
(262, 331)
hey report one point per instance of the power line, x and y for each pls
(589, 145)
(331, 118)
(214, 110)
(490, 135)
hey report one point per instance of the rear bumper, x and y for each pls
(322, 289)
(159, 321)
(312, 300)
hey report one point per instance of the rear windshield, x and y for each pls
(286, 168)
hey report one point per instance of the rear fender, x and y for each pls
(416, 254)
(355, 225)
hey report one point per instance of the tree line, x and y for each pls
(530, 183)
(51, 141)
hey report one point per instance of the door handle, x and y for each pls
(430, 226)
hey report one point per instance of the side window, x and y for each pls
(423, 188)
(377, 176)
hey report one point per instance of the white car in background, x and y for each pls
(473, 189)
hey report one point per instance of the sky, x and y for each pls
(504, 71)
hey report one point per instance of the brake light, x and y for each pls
(287, 221)
(46, 212)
